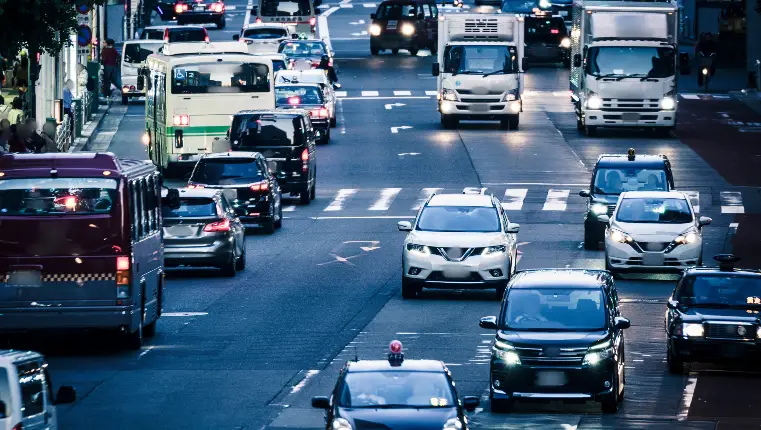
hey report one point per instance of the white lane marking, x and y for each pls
(341, 118)
(536, 183)
(689, 390)
(341, 197)
(424, 195)
(431, 93)
(341, 93)
(557, 200)
(289, 208)
(732, 202)
(347, 6)
(383, 98)
(360, 22)
(364, 33)
(689, 96)
(326, 14)
(248, 13)
(402, 93)
(694, 197)
(184, 314)
(386, 198)
(309, 375)
(514, 198)
(393, 105)
(369, 5)
(363, 217)
(401, 127)
(145, 351)
(734, 225)
(230, 7)
(370, 94)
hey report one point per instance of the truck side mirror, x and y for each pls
(577, 60)
(524, 64)
(140, 82)
(435, 69)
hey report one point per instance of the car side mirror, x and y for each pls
(603, 219)
(3, 410)
(672, 304)
(513, 227)
(228, 134)
(577, 60)
(470, 403)
(172, 200)
(67, 394)
(372, 16)
(404, 226)
(140, 82)
(489, 323)
(704, 220)
(320, 402)
(524, 64)
(585, 193)
(622, 323)
(435, 69)
(236, 37)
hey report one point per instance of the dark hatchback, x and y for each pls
(310, 98)
(286, 139)
(614, 174)
(547, 40)
(559, 336)
(713, 316)
(395, 394)
(404, 24)
(204, 231)
(255, 193)
(200, 12)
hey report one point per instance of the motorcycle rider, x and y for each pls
(706, 49)
(325, 65)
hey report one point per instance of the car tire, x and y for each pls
(305, 196)
(325, 139)
(228, 269)
(414, 50)
(663, 132)
(313, 192)
(510, 122)
(500, 406)
(579, 124)
(434, 49)
(241, 263)
(591, 241)
(609, 402)
(125, 100)
(221, 23)
(279, 223)
(591, 130)
(333, 122)
(410, 289)
(675, 363)
(134, 341)
(449, 122)
(395, 51)
(374, 50)
(567, 63)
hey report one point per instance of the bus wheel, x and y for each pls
(134, 340)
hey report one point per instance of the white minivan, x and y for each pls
(134, 53)
(26, 392)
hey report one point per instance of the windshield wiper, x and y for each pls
(467, 72)
(497, 72)
(609, 75)
(630, 75)
(391, 406)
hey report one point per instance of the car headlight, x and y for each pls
(498, 249)
(692, 329)
(565, 43)
(375, 30)
(619, 236)
(506, 353)
(758, 332)
(452, 424)
(340, 424)
(510, 96)
(448, 95)
(687, 237)
(408, 29)
(593, 101)
(545, 4)
(599, 209)
(420, 249)
(598, 353)
(668, 103)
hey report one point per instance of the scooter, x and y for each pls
(706, 69)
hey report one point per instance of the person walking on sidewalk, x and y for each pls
(109, 56)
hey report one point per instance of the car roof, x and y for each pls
(230, 154)
(298, 84)
(10, 356)
(265, 25)
(315, 72)
(716, 271)
(273, 112)
(560, 278)
(653, 195)
(640, 160)
(473, 200)
(405, 366)
(304, 40)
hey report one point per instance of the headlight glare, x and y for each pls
(692, 329)
(668, 103)
(506, 353)
(687, 237)
(594, 357)
(420, 249)
(375, 30)
(599, 209)
(619, 236)
(340, 424)
(408, 29)
(594, 102)
(495, 250)
(565, 43)
(452, 424)
(758, 332)
(448, 95)
(545, 4)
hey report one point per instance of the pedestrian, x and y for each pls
(48, 134)
(68, 96)
(707, 50)
(5, 135)
(19, 139)
(5, 109)
(82, 78)
(21, 71)
(35, 141)
(16, 114)
(325, 65)
(109, 56)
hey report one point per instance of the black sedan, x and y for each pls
(255, 193)
(310, 98)
(200, 12)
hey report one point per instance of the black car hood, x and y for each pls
(306, 107)
(723, 314)
(608, 199)
(398, 419)
(558, 338)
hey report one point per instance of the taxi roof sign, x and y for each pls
(631, 154)
(395, 356)
(727, 261)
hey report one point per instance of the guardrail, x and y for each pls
(64, 137)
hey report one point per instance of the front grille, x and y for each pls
(551, 356)
(630, 105)
(640, 118)
(481, 100)
(611, 208)
(455, 253)
(653, 246)
(481, 26)
(729, 331)
(437, 276)
(487, 92)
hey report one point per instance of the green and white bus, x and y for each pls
(192, 91)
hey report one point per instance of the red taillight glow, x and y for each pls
(122, 263)
(258, 20)
(181, 120)
(166, 33)
(312, 21)
(554, 31)
(179, 8)
(223, 225)
(395, 347)
(260, 186)
(305, 155)
(294, 100)
(319, 113)
(18, 426)
(195, 186)
(132, 87)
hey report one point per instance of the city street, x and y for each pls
(249, 352)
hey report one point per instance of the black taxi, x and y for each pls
(713, 315)
(395, 394)
(559, 336)
(200, 12)
(613, 174)
(404, 24)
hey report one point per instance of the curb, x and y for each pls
(90, 129)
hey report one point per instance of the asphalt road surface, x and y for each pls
(249, 352)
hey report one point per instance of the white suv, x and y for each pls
(458, 241)
(653, 231)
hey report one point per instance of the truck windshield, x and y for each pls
(631, 61)
(478, 59)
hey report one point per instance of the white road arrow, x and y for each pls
(364, 33)
(408, 153)
(392, 105)
(373, 244)
(402, 127)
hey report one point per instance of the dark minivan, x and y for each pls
(404, 24)
(286, 137)
(547, 40)
(560, 336)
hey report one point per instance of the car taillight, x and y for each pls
(132, 88)
(554, 31)
(195, 186)
(18, 426)
(122, 271)
(305, 160)
(318, 113)
(260, 186)
(181, 120)
(258, 20)
(178, 8)
(223, 225)
(217, 7)
(166, 34)
(312, 21)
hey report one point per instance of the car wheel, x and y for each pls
(313, 192)
(228, 269)
(305, 196)
(500, 406)
(134, 340)
(579, 124)
(333, 122)
(663, 132)
(241, 263)
(591, 130)
(434, 50)
(394, 51)
(221, 23)
(609, 402)
(125, 100)
(410, 289)
(675, 363)
(567, 62)
(279, 223)
(448, 122)
(414, 50)
(591, 242)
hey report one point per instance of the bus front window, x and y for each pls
(221, 77)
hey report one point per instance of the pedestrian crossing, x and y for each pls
(548, 198)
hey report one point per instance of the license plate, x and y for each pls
(456, 273)
(199, 8)
(563, 13)
(181, 230)
(630, 117)
(391, 25)
(653, 259)
(551, 379)
(25, 279)
(479, 107)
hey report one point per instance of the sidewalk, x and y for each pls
(90, 129)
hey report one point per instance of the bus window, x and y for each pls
(286, 8)
(57, 196)
(135, 53)
(221, 77)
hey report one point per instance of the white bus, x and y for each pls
(192, 91)
(297, 14)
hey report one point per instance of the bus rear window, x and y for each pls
(286, 8)
(221, 77)
(266, 131)
(195, 207)
(57, 196)
(136, 53)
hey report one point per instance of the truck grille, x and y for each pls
(487, 92)
(653, 246)
(630, 105)
(551, 356)
(481, 26)
(729, 331)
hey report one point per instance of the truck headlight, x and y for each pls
(498, 249)
(375, 30)
(448, 95)
(340, 424)
(619, 236)
(510, 96)
(408, 29)
(593, 101)
(692, 329)
(599, 208)
(668, 103)
(420, 249)
(506, 353)
(565, 43)
(687, 237)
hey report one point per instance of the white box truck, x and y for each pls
(478, 68)
(624, 62)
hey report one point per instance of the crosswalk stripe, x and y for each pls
(347, 6)
(387, 197)
(514, 198)
(402, 93)
(557, 200)
(732, 202)
(431, 93)
(689, 96)
(369, 94)
(341, 93)
(289, 208)
(368, 5)
(424, 195)
(341, 197)
(694, 197)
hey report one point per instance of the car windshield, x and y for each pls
(519, 6)
(186, 35)
(301, 95)
(303, 49)
(545, 30)
(57, 196)
(220, 77)
(152, 34)
(721, 290)
(396, 389)
(563, 309)
(479, 60)
(191, 207)
(286, 8)
(459, 219)
(655, 210)
(630, 61)
(266, 130)
(306, 78)
(617, 180)
(396, 11)
(136, 53)
(264, 33)
(228, 171)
